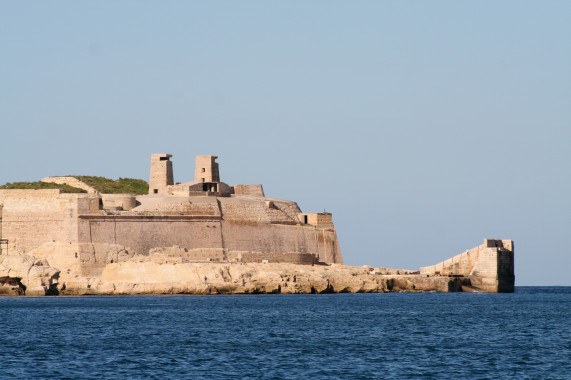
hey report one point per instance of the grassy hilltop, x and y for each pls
(101, 184)
(40, 186)
(110, 186)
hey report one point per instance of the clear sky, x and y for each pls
(423, 126)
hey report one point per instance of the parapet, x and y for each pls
(29, 193)
(508, 245)
(489, 267)
(252, 190)
(119, 201)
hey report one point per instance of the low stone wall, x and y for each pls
(119, 201)
(252, 190)
(260, 257)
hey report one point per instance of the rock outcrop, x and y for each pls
(27, 274)
(110, 269)
(144, 276)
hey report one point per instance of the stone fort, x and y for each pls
(203, 220)
(167, 240)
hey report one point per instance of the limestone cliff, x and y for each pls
(162, 274)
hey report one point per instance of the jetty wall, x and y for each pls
(489, 267)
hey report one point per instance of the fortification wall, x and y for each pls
(240, 236)
(488, 266)
(290, 208)
(287, 257)
(184, 255)
(177, 254)
(254, 210)
(328, 246)
(33, 217)
(142, 234)
(252, 190)
(119, 201)
(176, 205)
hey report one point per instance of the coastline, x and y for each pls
(146, 277)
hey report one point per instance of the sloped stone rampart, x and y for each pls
(488, 266)
(71, 181)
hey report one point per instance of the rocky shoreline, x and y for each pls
(27, 275)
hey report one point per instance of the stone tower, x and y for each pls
(161, 173)
(206, 169)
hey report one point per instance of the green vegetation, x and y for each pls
(120, 186)
(101, 184)
(41, 185)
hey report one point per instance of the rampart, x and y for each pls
(489, 267)
(139, 235)
(71, 181)
(253, 190)
(33, 217)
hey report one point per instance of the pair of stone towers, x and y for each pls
(161, 178)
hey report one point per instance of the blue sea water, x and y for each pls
(352, 336)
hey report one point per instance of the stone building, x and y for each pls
(204, 220)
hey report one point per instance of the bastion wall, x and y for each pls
(254, 230)
(33, 217)
(141, 234)
(489, 266)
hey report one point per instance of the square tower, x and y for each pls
(161, 173)
(206, 169)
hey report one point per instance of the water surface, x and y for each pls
(394, 335)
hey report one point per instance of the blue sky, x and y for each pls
(424, 127)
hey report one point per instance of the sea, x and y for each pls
(522, 335)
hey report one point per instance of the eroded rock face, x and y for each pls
(10, 286)
(144, 276)
(55, 268)
(33, 276)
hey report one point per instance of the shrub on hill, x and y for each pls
(41, 185)
(120, 186)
